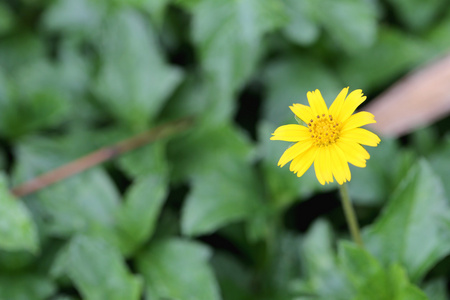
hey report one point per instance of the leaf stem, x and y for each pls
(350, 215)
(101, 155)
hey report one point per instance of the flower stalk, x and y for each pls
(350, 215)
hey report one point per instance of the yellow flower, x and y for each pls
(331, 139)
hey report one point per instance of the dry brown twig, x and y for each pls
(100, 156)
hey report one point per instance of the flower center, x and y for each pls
(324, 130)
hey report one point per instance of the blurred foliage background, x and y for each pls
(207, 214)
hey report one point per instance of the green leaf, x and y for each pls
(285, 265)
(156, 8)
(149, 159)
(322, 275)
(178, 269)
(425, 140)
(440, 161)
(74, 16)
(196, 97)
(371, 281)
(389, 284)
(20, 50)
(413, 226)
(6, 18)
(302, 28)
(187, 4)
(373, 184)
(26, 285)
(17, 229)
(143, 202)
(97, 269)
(16, 260)
(228, 37)
(35, 99)
(392, 55)
(417, 14)
(75, 204)
(234, 279)
(436, 289)
(352, 23)
(134, 81)
(289, 79)
(354, 274)
(64, 297)
(84, 200)
(204, 146)
(437, 37)
(358, 264)
(227, 193)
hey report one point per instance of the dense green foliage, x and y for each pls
(208, 214)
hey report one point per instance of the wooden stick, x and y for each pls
(100, 156)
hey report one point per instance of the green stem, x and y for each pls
(350, 215)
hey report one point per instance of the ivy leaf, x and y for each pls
(195, 152)
(373, 282)
(436, 289)
(74, 16)
(349, 20)
(417, 14)
(35, 100)
(226, 194)
(149, 159)
(178, 269)
(17, 228)
(439, 160)
(373, 184)
(229, 35)
(322, 275)
(97, 269)
(25, 285)
(143, 202)
(6, 18)
(351, 274)
(303, 27)
(156, 8)
(233, 277)
(134, 81)
(413, 226)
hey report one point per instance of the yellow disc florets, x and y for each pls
(324, 130)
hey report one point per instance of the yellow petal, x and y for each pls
(317, 103)
(291, 133)
(304, 112)
(350, 104)
(323, 171)
(354, 153)
(361, 136)
(357, 120)
(328, 169)
(318, 170)
(294, 151)
(340, 168)
(336, 107)
(301, 163)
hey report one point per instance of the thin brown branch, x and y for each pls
(100, 156)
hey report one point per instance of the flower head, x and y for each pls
(331, 138)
